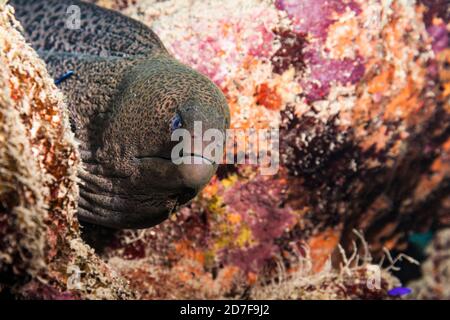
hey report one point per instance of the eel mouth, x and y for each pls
(190, 171)
(148, 195)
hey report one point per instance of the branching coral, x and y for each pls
(357, 278)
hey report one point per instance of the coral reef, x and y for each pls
(362, 280)
(435, 283)
(360, 91)
(41, 252)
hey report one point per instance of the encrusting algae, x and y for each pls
(360, 91)
(41, 252)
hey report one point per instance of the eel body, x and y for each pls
(124, 97)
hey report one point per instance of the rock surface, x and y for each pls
(41, 253)
(360, 92)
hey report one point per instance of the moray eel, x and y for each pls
(126, 96)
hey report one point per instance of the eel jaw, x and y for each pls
(122, 212)
(130, 201)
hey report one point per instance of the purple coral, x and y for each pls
(314, 16)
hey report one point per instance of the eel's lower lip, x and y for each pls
(193, 159)
(194, 171)
(186, 159)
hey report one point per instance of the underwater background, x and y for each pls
(360, 92)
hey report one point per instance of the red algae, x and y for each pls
(359, 91)
(290, 53)
(267, 97)
(352, 97)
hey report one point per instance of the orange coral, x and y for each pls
(267, 97)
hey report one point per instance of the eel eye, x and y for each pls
(175, 122)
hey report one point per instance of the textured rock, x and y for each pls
(41, 252)
(359, 90)
(435, 281)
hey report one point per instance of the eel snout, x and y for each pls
(196, 171)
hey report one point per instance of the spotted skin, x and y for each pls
(102, 32)
(125, 90)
